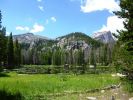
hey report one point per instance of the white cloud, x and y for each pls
(53, 19)
(7, 33)
(113, 24)
(37, 28)
(21, 28)
(41, 8)
(88, 6)
(39, 0)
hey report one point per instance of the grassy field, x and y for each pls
(33, 86)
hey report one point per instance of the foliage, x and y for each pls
(9, 96)
(56, 58)
(40, 69)
(128, 85)
(81, 57)
(17, 53)
(105, 55)
(3, 42)
(53, 69)
(92, 57)
(124, 51)
(10, 52)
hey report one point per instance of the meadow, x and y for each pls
(36, 86)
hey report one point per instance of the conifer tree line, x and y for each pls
(59, 56)
(10, 51)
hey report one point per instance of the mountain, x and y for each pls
(28, 38)
(29, 41)
(76, 40)
(105, 37)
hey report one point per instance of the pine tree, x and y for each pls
(100, 55)
(0, 20)
(10, 52)
(124, 52)
(109, 56)
(92, 57)
(105, 54)
(81, 60)
(56, 57)
(17, 53)
(3, 42)
(62, 57)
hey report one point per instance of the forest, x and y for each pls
(64, 61)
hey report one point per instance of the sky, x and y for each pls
(54, 18)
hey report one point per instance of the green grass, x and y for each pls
(40, 85)
(128, 85)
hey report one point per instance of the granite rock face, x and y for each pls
(105, 37)
(28, 38)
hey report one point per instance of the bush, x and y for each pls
(50, 69)
(40, 69)
(9, 96)
(101, 69)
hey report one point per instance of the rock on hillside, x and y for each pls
(105, 37)
(76, 40)
(28, 38)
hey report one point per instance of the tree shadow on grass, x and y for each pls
(10, 96)
(4, 75)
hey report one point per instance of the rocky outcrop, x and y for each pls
(28, 38)
(105, 37)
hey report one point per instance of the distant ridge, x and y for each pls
(28, 38)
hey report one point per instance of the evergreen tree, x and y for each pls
(71, 56)
(56, 57)
(31, 52)
(17, 53)
(62, 57)
(46, 58)
(80, 57)
(10, 52)
(35, 56)
(75, 54)
(3, 42)
(66, 57)
(109, 55)
(99, 55)
(92, 57)
(124, 53)
(0, 20)
(105, 55)
(49, 57)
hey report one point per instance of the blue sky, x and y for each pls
(53, 18)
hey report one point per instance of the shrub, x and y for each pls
(9, 96)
